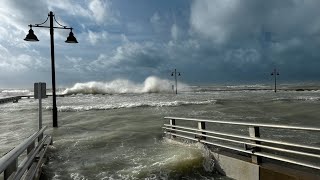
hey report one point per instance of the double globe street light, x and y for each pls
(275, 73)
(175, 74)
(71, 39)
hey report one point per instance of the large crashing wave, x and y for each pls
(152, 84)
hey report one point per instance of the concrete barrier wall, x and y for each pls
(236, 166)
(241, 168)
(274, 171)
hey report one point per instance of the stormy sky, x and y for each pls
(208, 41)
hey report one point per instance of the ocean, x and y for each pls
(113, 130)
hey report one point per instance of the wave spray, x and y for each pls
(151, 84)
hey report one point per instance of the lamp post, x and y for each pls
(175, 77)
(275, 73)
(71, 39)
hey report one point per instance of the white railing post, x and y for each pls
(172, 123)
(254, 132)
(202, 126)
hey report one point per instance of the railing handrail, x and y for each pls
(250, 152)
(281, 126)
(21, 170)
(252, 144)
(244, 137)
(12, 155)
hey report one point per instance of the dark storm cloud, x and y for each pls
(255, 35)
(232, 40)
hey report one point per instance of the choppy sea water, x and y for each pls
(107, 134)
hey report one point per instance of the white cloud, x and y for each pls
(95, 37)
(129, 56)
(174, 32)
(69, 7)
(10, 63)
(124, 38)
(157, 23)
(155, 18)
(212, 18)
(99, 10)
(73, 65)
(280, 47)
(3, 50)
(224, 21)
(242, 56)
(135, 28)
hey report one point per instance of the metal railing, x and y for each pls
(35, 146)
(253, 145)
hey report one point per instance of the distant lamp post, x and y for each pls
(175, 77)
(71, 39)
(275, 73)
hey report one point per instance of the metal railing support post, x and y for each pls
(202, 126)
(254, 132)
(173, 122)
(30, 147)
(10, 169)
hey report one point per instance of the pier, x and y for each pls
(16, 99)
(25, 161)
(10, 99)
(33, 149)
(250, 157)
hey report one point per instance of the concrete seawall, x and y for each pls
(241, 168)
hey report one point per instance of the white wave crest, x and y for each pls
(15, 92)
(308, 98)
(74, 108)
(151, 85)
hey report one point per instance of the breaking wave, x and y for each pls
(151, 84)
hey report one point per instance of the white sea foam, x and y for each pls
(72, 108)
(299, 98)
(248, 86)
(308, 98)
(207, 161)
(15, 92)
(152, 84)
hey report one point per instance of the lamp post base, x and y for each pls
(54, 117)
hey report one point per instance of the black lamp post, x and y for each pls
(275, 73)
(175, 77)
(71, 39)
